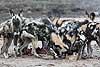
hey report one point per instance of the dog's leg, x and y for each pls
(5, 47)
(53, 53)
(34, 43)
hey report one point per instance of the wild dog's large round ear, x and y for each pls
(20, 12)
(11, 12)
(92, 16)
(87, 14)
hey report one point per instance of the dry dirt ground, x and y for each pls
(30, 61)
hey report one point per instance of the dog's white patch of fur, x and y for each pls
(82, 37)
(39, 45)
(29, 45)
(25, 34)
(5, 55)
(95, 31)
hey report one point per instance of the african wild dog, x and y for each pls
(7, 30)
